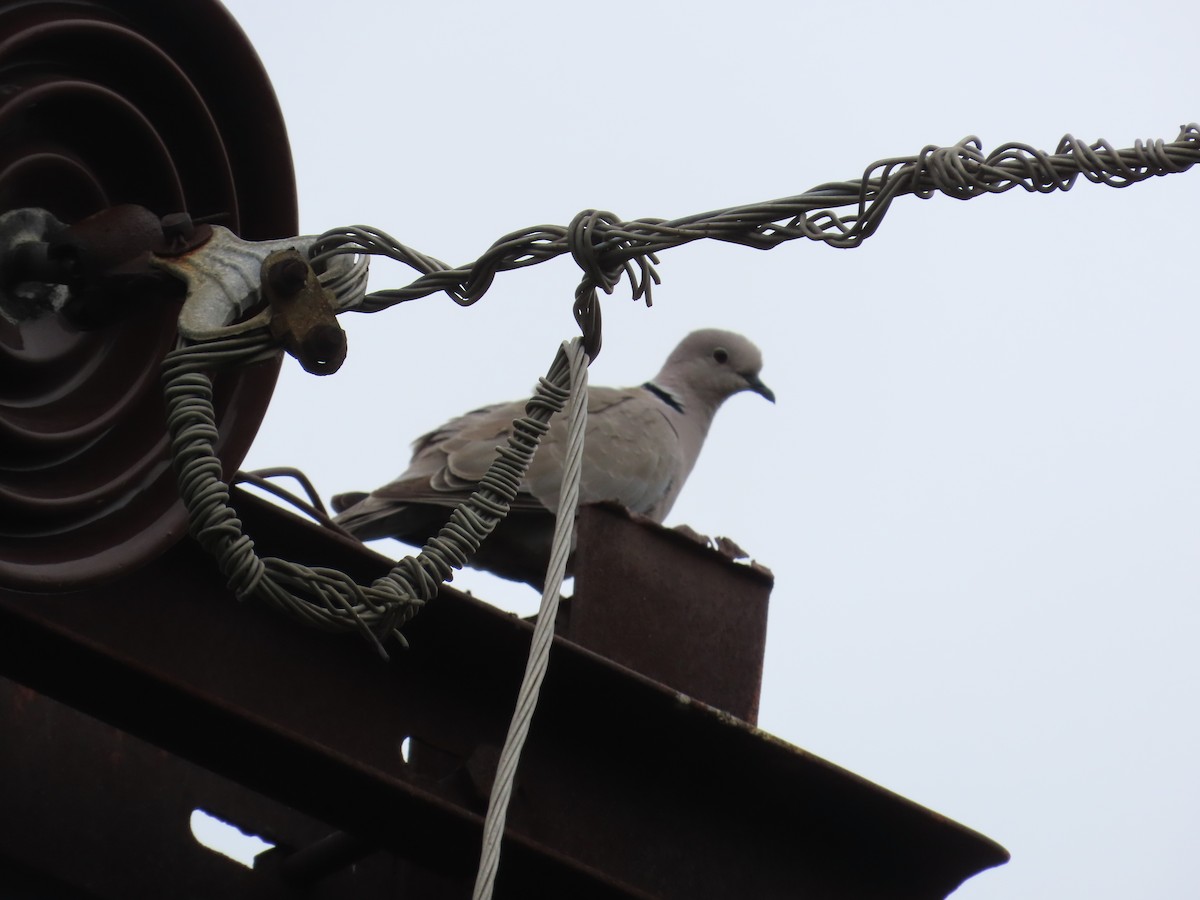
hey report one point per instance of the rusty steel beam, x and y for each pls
(626, 788)
(670, 608)
(105, 814)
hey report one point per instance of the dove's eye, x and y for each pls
(721, 355)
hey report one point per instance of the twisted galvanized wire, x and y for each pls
(313, 506)
(321, 597)
(605, 247)
(543, 632)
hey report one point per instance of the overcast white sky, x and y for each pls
(980, 489)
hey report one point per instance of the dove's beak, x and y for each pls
(754, 383)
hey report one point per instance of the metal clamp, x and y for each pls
(104, 267)
(228, 277)
(302, 312)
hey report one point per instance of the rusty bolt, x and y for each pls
(181, 234)
(177, 227)
(289, 275)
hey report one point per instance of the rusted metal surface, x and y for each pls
(658, 602)
(107, 815)
(302, 316)
(91, 811)
(103, 261)
(95, 245)
(167, 107)
(621, 776)
(86, 250)
(323, 858)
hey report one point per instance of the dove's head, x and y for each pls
(712, 365)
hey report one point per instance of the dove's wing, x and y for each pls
(446, 466)
(630, 455)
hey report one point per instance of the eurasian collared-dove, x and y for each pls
(641, 443)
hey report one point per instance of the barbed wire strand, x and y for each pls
(543, 632)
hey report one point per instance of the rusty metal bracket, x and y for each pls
(223, 278)
(225, 281)
(91, 273)
(95, 271)
(101, 268)
(302, 312)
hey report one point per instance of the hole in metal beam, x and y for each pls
(227, 839)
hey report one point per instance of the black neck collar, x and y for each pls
(665, 396)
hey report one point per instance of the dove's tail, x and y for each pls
(369, 518)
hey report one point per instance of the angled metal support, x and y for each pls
(627, 788)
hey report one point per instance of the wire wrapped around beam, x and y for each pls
(321, 597)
